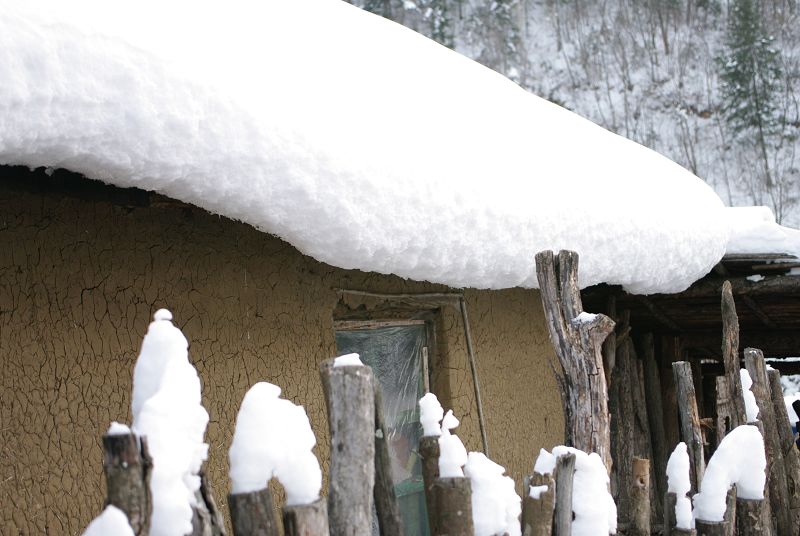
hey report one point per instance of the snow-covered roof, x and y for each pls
(361, 143)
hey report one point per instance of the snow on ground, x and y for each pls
(273, 437)
(281, 120)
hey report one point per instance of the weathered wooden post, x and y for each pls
(690, 421)
(730, 357)
(206, 517)
(253, 513)
(752, 518)
(429, 457)
(776, 468)
(385, 499)
(452, 498)
(127, 465)
(537, 513)
(307, 519)
(724, 409)
(577, 340)
(350, 400)
(640, 498)
(670, 500)
(788, 447)
(655, 412)
(565, 472)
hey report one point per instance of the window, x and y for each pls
(397, 351)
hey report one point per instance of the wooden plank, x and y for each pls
(690, 421)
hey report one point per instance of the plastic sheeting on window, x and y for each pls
(395, 355)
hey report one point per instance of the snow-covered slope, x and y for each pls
(277, 113)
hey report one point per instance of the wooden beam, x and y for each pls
(758, 311)
(658, 314)
(786, 285)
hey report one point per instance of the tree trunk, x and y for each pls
(253, 513)
(578, 347)
(690, 421)
(308, 519)
(127, 465)
(350, 400)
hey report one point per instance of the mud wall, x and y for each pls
(80, 279)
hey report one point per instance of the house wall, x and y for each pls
(80, 279)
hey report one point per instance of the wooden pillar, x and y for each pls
(640, 498)
(127, 466)
(307, 519)
(253, 513)
(565, 472)
(776, 468)
(383, 493)
(350, 400)
(537, 514)
(690, 421)
(788, 447)
(578, 347)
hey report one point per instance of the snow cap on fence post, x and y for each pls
(750, 404)
(430, 415)
(273, 437)
(678, 482)
(452, 454)
(739, 460)
(495, 504)
(167, 409)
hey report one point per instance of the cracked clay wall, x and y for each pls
(80, 279)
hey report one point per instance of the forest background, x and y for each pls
(712, 84)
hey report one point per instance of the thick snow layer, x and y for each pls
(167, 409)
(112, 522)
(753, 230)
(750, 404)
(495, 504)
(273, 437)
(430, 415)
(348, 360)
(452, 454)
(398, 157)
(678, 482)
(739, 460)
(592, 503)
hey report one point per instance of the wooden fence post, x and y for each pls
(578, 345)
(730, 356)
(127, 465)
(429, 455)
(791, 455)
(253, 513)
(307, 519)
(453, 507)
(670, 501)
(565, 472)
(640, 498)
(752, 518)
(690, 421)
(384, 495)
(655, 412)
(537, 514)
(350, 400)
(776, 468)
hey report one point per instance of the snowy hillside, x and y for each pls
(650, 71)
